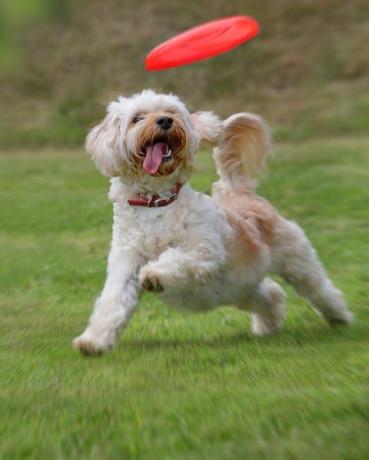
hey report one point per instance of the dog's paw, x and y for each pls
(88, 345)
(341, 318)
(151, 281)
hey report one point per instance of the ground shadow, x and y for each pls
(290, 336)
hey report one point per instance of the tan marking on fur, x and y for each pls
(253, 219)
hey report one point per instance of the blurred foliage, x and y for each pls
(62, 61)
(17, 14)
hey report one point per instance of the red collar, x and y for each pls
(155, 201)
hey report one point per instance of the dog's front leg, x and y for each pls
(116, 304)
(176, 266)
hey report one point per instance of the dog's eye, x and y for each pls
(137, 118)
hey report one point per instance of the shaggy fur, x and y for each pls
(198, 252)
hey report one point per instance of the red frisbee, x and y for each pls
(202, 42)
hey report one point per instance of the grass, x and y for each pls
(177, 386)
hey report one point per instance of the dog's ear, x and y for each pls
(209, 127)
(105, 143)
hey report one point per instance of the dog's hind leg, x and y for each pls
(267, 305)
(296, 261)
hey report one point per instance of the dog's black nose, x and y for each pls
(164, 122)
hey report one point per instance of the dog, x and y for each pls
(196, 252)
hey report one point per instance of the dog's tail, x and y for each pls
(242, 151)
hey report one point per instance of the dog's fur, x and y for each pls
(198, 252)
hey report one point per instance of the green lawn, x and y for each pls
(178, 386)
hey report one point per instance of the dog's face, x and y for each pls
(149, 134)
(160, 139)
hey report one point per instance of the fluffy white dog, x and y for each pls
(197, 252)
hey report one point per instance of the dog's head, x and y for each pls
(150, 134)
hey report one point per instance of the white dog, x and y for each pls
(196, 252)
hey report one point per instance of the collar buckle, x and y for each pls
(156, 201)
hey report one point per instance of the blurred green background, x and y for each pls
(61, 61)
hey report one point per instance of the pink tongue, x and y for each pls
(154, 157)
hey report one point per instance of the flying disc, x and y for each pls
(202, 42)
